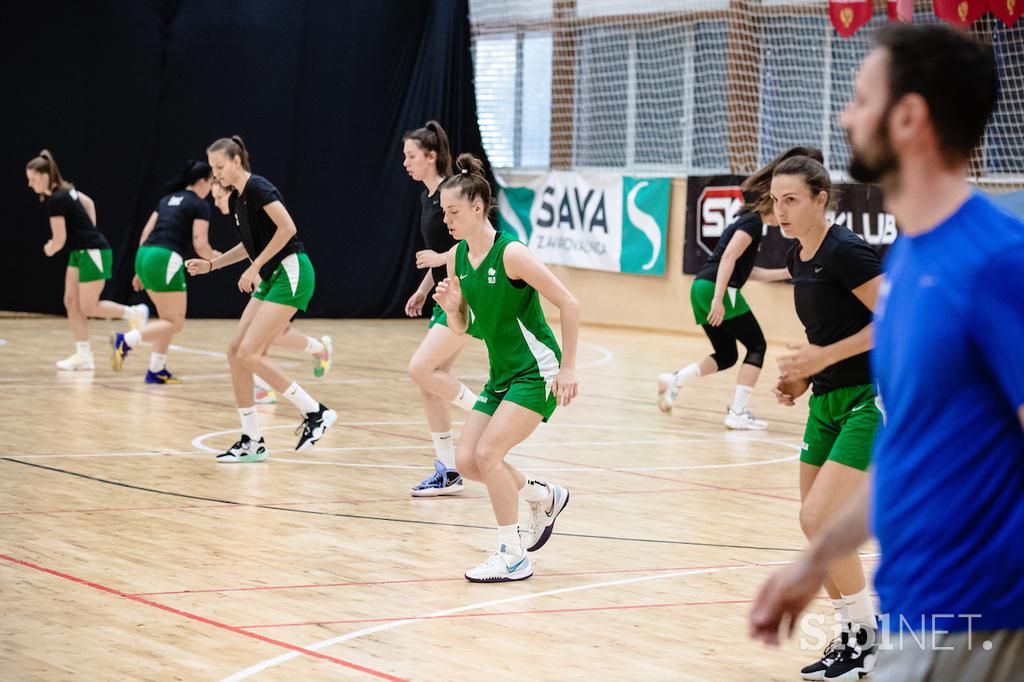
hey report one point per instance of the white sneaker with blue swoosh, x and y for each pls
(502, 567)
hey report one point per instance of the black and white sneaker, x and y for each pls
(816, 670)
(314, 426)
(857, 658)
(245, 450)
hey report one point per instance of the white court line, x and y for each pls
(3, 342)
(271, 662)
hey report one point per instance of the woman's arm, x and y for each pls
(807, 359)
(202, 266)
(285, 230)
(769, 274)
(148, 228)
(737, 245)
(58, 235)
(521, 263)
(449, 297)
(200, 240)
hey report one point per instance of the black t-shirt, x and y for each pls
(82, 234)
(174, 217)
(254, 227)
(435, 232)
(823, 289)
(750, 223)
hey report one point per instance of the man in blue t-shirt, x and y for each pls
(946, 498)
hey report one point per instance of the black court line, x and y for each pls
(379, 518)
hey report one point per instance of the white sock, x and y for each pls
(687, 373)
(133, 338)
(260, 383)
(465, 399)
(860, 607)
(301, 399)
(741, 400)
(157, 362)
(250, 422)
(508, 537)
(444, 448)
(841, 613)
(313, 346)
(83, 348)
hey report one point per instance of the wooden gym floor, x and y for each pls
(127, 553)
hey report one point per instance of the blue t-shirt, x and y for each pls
(948, 487)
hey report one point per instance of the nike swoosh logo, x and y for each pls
(860, 407)
(512, 569)
(463, 276)
(817, 270)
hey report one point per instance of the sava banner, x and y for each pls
(593, 221)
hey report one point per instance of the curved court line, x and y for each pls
(271, 662)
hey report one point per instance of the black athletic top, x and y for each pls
(749, 222)
(175, 215)
(823, 290)
(254, 227)
(435, 232)
(82, 234)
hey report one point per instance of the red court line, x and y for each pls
(488, 614)
(260, 588)
(207, 621)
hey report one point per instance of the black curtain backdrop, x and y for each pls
(124, 92)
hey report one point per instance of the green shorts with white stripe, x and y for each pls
(92, 264)
(533, 393)
(160, 269)
(292, 283)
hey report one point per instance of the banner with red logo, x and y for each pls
(960, 13)
(903, 10)
(849, 15)
(713, 202)
(1009, 11)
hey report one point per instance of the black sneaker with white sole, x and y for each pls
(314, 426)
(857, 658)
(245, 450)
(816, 670)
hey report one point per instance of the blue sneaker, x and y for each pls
(119, 350)
(443, 481)
(161, 377)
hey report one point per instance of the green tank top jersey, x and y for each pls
(508, 317)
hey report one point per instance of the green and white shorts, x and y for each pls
(291, 284)
(534, 394)
(160, 269)
(701, 293)
(92, 264)
(841, 427)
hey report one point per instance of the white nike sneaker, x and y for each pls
(138, 315)
(667, 391)
(744, 421)
(502, 567)
(542, 522)
(77, 362)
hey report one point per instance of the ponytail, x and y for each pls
(193, 172)
(233, 147)
(432, 138)
(470, 181)
(45, 163)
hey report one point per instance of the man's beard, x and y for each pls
(883, 165)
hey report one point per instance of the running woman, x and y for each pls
(494, 281)
(320, 350)
(836, 278)
(281, 281)
(181, 218)
(428, 160)
(720, 309)
(73, 223)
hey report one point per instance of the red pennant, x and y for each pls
(960, 13)
(1009, 11)
(850, 15)
(903, 10)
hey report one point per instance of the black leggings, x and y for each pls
(743, 328)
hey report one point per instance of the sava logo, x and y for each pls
(491, 276)
(175, 201)
(716, 208)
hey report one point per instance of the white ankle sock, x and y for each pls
(133, 338)
(861, 608)
(157, 362)
(465, 398)
(83, 349)
(444, 448)
(301, 399)
(250, 422)
(687, 373)
(741, 400)
(841, 614)
(508, 536)
(313, 346)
